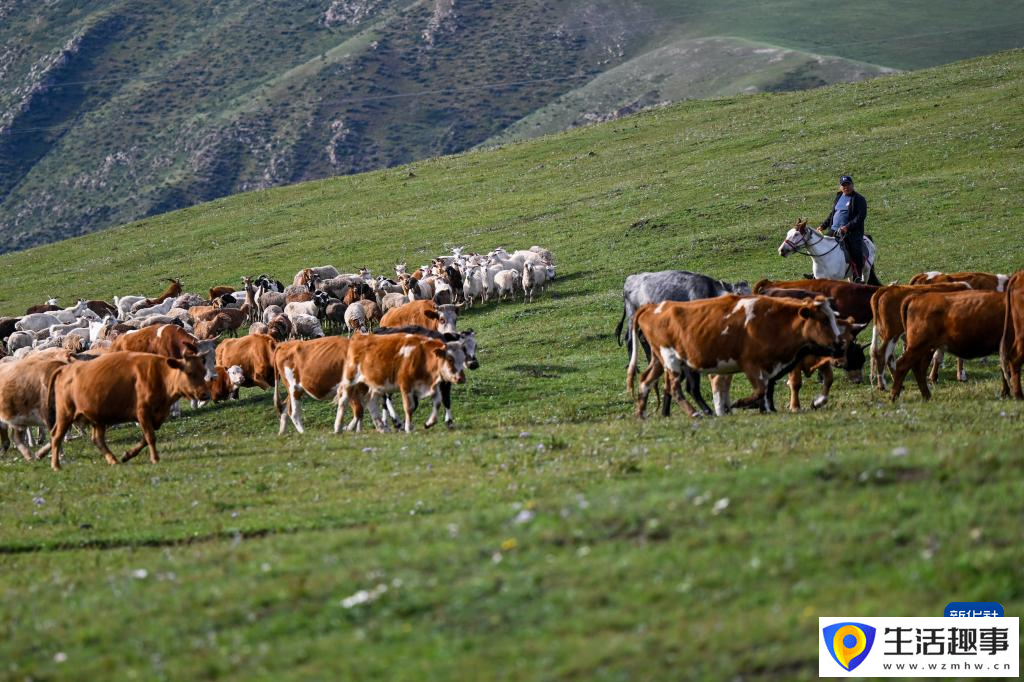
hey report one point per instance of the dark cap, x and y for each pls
(845, 180)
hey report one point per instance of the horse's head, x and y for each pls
(795, 238)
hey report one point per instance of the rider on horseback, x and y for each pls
(846, 224)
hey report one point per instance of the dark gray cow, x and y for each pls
(671, 285)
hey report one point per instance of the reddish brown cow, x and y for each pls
(413, 364)
(968, 324)
(1011, 347)
(980, 281)
(886, 304)
(254, 354)
(168, 340)
(121, 387)
(425, 313)
(849, 300)
(313, 368)
(760, 336)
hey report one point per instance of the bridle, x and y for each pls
(807, 242)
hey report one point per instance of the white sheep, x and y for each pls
(158, 309)
(533, 279)
(306, 327)
(36, 322)
(505, 282)
(124, 305)
(355, 318)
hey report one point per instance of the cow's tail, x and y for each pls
(50, 409)
(277, 398)
(618, 328)
(874, 336)
(631, 370)
(1006, 342)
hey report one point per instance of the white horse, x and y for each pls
(826, 253)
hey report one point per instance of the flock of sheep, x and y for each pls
(318, 298)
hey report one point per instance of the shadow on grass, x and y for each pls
(542, 371)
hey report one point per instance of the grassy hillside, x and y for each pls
(665, 549)
(115, 110)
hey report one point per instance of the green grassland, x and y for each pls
(550, 535)
(114, 110)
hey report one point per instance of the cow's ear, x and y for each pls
(441, 353)
(175, 363)
(432, 315)
(805, 312)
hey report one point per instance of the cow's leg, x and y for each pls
(676, 382)
(18, 436)
(344, 398)
(758, 398)
(5, 441)
(913, 358)
(373, 405)
(435, 410)
(1013, 366)
(446, 400)
(60, 430)
(409, 406)
(666, 404)
(389, 405)
(693, 388)
(961, 371)
(720, 385)
(796, 381)
(295, 407)
(936, 365)
(827, 377)
(769, 394)
(650, 376)
(357, 414)
(99, 439)
(148, 434)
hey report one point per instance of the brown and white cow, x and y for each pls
(982, 281)
(225, 385)
(762, 337)
(968, 324)
(121, 387)
(412, 364)
(313, 368)
(426, 314)
(1011, 347)
(254, 354)
(24, 394)
(886, 304)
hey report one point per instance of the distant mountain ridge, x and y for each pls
(115, 110)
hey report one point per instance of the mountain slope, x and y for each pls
(115, 110)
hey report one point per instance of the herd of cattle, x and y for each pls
(690, 324)
(98, 364)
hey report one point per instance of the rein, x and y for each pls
(807, 243)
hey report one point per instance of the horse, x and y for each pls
(829, 259)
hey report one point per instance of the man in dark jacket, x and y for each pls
(846, 223)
